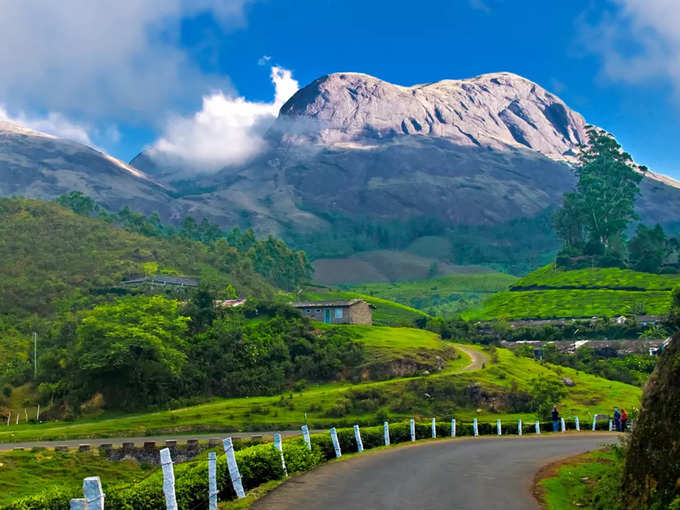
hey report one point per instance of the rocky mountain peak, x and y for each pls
(497, 110)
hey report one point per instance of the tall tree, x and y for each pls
(647, 249)
(604, 201)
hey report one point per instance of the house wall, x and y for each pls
(360, 313)
(339, 315)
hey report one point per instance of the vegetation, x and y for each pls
(603, 292)
(584, 482)
(501, 390)
(23, 473)
(446, 295)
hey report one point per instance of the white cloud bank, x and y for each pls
(53, 124)
(120, 59)
(638, 41)
(227, 131)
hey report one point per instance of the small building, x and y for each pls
(353, 311)
(164, 281)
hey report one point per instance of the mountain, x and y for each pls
(355, 164)
(454, 172)
(38, 165)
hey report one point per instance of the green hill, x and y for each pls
(445, 295)
(497, 384)
(605, 292)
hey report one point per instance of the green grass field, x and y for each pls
(23, 473)
(571, 487)
(371, 401)
(548, 293)
(446, 295)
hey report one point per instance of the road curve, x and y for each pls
(466, 474)
(477, 358)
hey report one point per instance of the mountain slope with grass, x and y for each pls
(505, 386)
(445, 295)
(550, 293)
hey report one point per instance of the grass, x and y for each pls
(445, 295)
(589, 395)
(24, 473)
(549, 293)
(598, 278)
(571, 487)
(386, 313)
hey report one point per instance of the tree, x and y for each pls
(131, 350)
(647, 249)
(604, 201)
(545, 394)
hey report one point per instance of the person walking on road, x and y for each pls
(624, 420)
(617, 420)
(555, 419)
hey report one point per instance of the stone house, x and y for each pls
(353, 311)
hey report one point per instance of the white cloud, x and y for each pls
(227, 131)
(638, 41)
(53, 124)
(120, 59)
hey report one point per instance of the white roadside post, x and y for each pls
(386, 429)
(475, 428)
(434, 429)
(499, 430)
(453, 427)
(564, 425)
(611, 425)
(519, 427)
(594, 422)
(278, 444)
(212, 481)
(168, 480)
(305, 435)
(78, 504)
(94, 496)
(577, 424)
(37, 414)
(357, 438)
(336, 443)
(413, 429)
(232, 466)
(538, 427)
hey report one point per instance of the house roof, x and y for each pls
(327, 304)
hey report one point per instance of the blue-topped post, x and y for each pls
(538, 427)
(475, 427)
(519, 427)
(168, 480)
(386, 430)
(232, 467)
(336, 443)
(564, 425)
(212, 481)
(434, 429)
(413, 429)
(278, 444)
(305, 435)
(453, 427)
(577, 424)
(499, 430)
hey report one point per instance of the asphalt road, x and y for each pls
(466, 474)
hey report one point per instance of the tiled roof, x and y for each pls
(326, 304)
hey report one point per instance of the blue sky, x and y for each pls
(121, 83)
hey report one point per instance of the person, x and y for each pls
(624, 420)
(617, 420)
(555, 419)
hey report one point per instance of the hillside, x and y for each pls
(54, 259)
(604, 292)
(506, 387)
(446, 295)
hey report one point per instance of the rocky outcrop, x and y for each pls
(498, 111)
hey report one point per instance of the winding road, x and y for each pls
(465, 474)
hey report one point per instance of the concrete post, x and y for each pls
(519, 427)
(475, 428)
(563, 424)
(78, 504)
(92, 490)
(413, 429)
(305, 435)
(212, 481)
(453, 427)
(578, 425)
(168, 480)
(434, 429)
(538, 427)
(357, 438)
(386, 427)
(336, 443)
(234, 473)
(278, 444)
(499, 430)
(595, 422)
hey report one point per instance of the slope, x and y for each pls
(605, 292)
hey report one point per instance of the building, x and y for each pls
(164, 281)
(353, 311)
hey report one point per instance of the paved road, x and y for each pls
(483, 473)
(477, 358)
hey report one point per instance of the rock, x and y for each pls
(568, 382)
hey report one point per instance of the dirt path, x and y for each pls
(478, 358)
